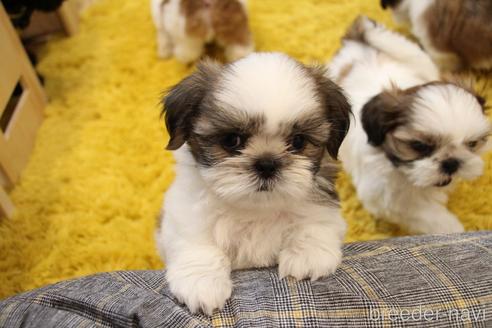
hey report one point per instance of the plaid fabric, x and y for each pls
(439, 281)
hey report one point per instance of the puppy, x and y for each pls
(255, 144)
(457, 33)
(413, 135)
(185, 26)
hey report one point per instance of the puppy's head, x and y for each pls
(431, 133)
(258, 128)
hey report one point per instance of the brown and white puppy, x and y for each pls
(413, 135)
(185, 26)
(255, 144)
(456, 33)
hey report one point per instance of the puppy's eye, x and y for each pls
(232, 141)
(421, 147)
(472, 144)
(298, 142)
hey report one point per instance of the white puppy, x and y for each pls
(412, 136)
(255, 145)
(185, 26)
(456, 33)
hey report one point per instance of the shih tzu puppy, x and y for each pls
(456, 33)
(413, 136)
(185, 26)
(255, 144)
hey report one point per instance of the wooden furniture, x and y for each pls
(21, 109)
(69, 15)
(65, 19)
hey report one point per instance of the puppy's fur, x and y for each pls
(457, 34)
(413, 136)
(255, 145)
(185, 26)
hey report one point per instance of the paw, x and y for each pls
(437, 223)
(309, 263)
(359, 28)
(164, 52)
(204, 292)
(164, 45)
(368, 23)
(235, 52)
(187, 55)
(447, 226)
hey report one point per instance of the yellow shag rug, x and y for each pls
(88, 199)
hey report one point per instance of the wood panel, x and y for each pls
(17, 138)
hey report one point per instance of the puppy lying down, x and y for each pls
(184, 27)
(413, 135)
(255, 144)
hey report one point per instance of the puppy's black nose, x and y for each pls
(266, 167)
(450, 166)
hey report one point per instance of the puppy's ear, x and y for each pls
(182, 103)
(482, 101)
(382, 114)
(336, 106)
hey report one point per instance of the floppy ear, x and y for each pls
(182, 103)
(483, 103)
(337, 109)
(382, 114)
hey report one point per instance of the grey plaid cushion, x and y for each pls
(439, 281)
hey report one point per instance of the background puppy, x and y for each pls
(185, 26)
(455, 33)
(256, 143)
(412, 137)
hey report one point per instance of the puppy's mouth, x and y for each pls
(444, 182)
(265, 186)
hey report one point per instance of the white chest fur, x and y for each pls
(252, 239)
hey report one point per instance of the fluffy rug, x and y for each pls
(88, 199)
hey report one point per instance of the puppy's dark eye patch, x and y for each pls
(233, 142)
(472, 144)
(476, 143)
(422, 148)
(298, 142)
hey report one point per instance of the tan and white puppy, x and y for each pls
(413, 135)
(456, 33)
(185, 26)
(255, 144)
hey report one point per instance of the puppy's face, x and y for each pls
(258, 128)
(432, 133)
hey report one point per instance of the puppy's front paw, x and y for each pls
(235, 52)
(164, 52)
(435, 222)
(309, 263)
(187, 54)
(359, 27)
(451, 225)
(202, 291)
